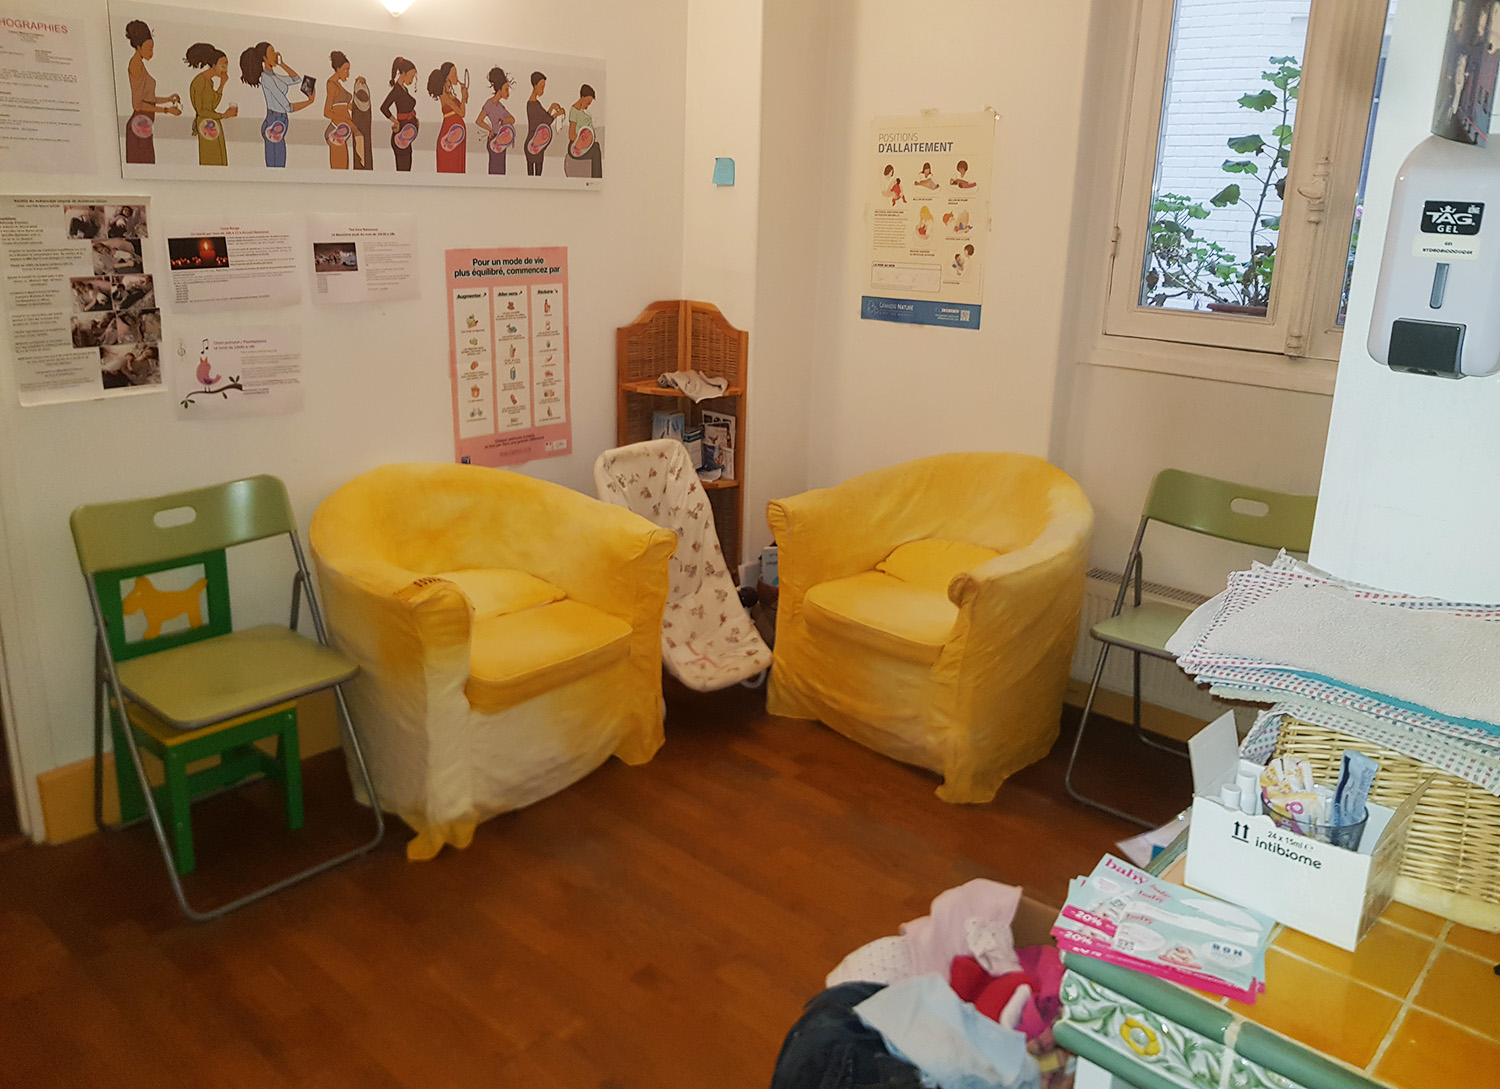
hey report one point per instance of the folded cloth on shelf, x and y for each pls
(925, 1023)
(696, 384)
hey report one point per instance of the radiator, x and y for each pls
(1162, 683)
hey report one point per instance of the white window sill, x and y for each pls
(1214, 364)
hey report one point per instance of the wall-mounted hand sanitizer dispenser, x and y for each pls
(1437, 307)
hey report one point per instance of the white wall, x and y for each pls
(882, 392)
(1126, 425)
(377, 386)
(1411, 486)
(787, 263)
(722, 110)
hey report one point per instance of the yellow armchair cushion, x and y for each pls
(515, 656)
(883, 613)
(498, 591)
(932, 562)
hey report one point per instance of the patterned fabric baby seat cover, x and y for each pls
(707, 641)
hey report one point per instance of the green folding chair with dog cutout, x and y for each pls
(176, 679)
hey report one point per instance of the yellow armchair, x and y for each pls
(929, 611)
(507, 631)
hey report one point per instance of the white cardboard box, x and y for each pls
(1326, 891)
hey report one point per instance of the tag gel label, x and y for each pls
(1452, 216)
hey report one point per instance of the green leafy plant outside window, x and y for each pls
(1180, 263)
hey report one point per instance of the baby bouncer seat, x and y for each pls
(707, 641)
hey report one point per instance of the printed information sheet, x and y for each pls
(363, 258)
(929, 180)
(80, 297)
(45, 125)
(229, 373)
(242, 264)
(508, 321)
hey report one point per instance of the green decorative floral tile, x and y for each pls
(1181, 1056)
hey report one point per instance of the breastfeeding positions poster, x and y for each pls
(508, 330)
(928, 179)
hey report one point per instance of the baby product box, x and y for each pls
(1326, 891)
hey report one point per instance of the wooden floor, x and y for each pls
(657, 926)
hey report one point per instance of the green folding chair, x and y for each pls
(1201, 504)
(176, 678)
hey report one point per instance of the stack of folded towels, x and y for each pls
(1410, 673)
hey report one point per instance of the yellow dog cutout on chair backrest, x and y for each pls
(163, 605)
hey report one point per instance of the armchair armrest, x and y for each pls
(404, 621)
(1004, 670)
(1010, 591)
(601, 555)
(828, 533)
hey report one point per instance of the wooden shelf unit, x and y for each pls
(682, 335)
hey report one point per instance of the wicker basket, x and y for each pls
(1452, 861)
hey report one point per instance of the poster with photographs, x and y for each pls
(80, 297)
(206, 95)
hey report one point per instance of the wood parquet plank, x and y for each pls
(656, 926)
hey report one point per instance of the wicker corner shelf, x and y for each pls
(681, 335)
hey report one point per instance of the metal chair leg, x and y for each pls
(154, 815)
(1160, 746)
(1074, 792)
(1135, 691)
(1135, 700)
(99, 697)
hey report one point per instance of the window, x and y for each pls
(1243, 164)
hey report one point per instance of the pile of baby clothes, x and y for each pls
(949, 1001)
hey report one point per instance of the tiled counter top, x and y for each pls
(1417, 1006)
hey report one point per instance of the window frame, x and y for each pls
(1341, 57)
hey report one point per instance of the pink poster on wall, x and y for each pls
(508, 329)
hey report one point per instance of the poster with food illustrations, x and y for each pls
(205, 95)
(928, 181)
(508, 323)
